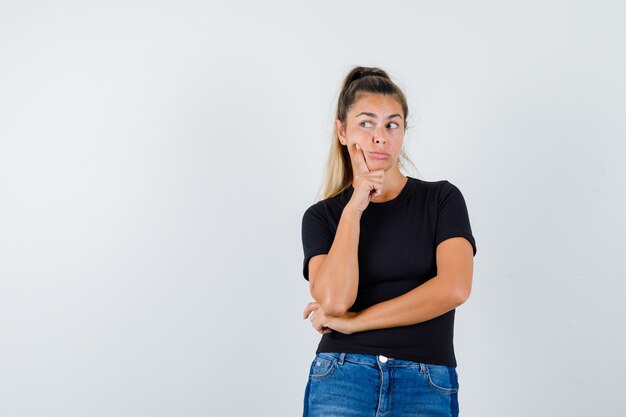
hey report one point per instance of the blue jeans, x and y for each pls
(363, 385)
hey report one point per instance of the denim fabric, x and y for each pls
(363, 385)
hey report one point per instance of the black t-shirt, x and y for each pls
(396, 253)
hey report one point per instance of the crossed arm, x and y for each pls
(442, 293)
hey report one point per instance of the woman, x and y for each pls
(388, 258)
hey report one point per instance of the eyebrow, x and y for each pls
(375, 117)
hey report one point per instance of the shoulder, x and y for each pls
(315, 210)
(446, 187)
(434, 189)
(316, 213)
(437, 193)
(328, 206)
(440, 187)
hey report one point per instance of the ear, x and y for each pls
(340, 132)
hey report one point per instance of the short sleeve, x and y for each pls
(317, 237)
(452, 216)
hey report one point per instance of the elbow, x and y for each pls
(461, 295)
(457, 290)
(332, 306)
(335, 309)
(330, 303)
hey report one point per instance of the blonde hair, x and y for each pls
(359, 80)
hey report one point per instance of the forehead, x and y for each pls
(381, 104)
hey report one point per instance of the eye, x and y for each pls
(362, 123)
(394, 123)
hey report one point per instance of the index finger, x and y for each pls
(361, 163)
(309, 308)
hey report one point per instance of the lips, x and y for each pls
(378, 155)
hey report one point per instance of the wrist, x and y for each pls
(351, 210)
(356, 322)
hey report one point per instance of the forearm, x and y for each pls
(435, 297)
(336, 284)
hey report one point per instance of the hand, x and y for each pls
(325, 323)
(368, 184)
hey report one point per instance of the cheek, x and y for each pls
(362, 141)
(355, 134)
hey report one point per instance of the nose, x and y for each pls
(379, 136)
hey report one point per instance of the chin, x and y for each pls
(381, 163)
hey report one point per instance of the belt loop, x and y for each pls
(422, 368)
(341, 356)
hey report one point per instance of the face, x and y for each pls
(376, 123)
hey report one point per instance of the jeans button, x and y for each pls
(382, 358)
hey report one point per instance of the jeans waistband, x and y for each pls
(371, 359)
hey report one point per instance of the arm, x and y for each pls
(334, 277)
(442, 293)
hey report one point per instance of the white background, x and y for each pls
(156, 158)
